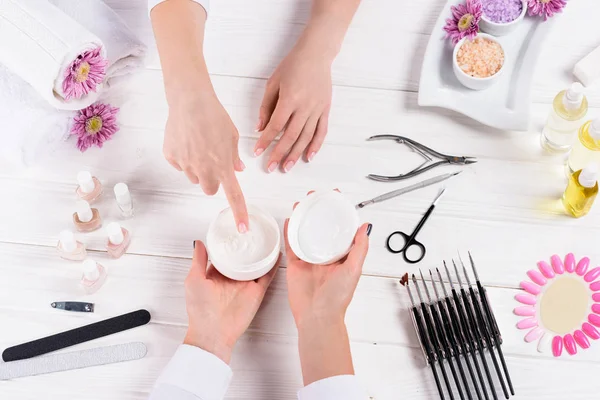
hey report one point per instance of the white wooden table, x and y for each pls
(504, 209)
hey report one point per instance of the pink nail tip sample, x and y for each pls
(590, 331)
(570, 263)
(596, 297)
(546, 269)
(531, 287)
(581, 339)
(528, 311)
(537, 277)
(596, 308)
(570, 345)
(557, 346)
(534, 334)
(582, 266)
(527, 323)
(592, 275)
(557, 263)
(593, 318)
(525, 298)
(595, 287)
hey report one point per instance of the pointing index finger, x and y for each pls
(236, 200)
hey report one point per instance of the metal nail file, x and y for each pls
(76, 306)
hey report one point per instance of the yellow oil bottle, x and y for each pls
(568, 112)
(581, 191)
(586, 149)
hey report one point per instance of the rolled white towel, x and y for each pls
(39, 43)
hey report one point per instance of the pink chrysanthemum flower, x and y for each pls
(545, 8)
(464, 21)
(94, 125)
(85, 73)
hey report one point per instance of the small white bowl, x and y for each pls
(322, 227)
(473, 82)
(240, 270)
(501, 29)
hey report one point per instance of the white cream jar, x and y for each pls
(243, 256)
(322, 227)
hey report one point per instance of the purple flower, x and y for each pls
(94, 125)
(464, 21)
(547, 8)
(85, 73)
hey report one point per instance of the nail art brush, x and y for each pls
(432, 335)
(476, 333)
(468, 334)
(450, 336)
(423, 336)
(442, 337)
(459, 335)
(490, 316)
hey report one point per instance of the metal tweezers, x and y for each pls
(424, 151)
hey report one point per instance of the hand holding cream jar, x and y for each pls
(322, 227)
(243, 256)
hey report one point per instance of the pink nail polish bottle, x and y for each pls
(124, 201)
(89, 188)
(86, 219)
(93, 277)
(118, 240)
(69, 248)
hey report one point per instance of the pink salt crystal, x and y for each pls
(480, 58)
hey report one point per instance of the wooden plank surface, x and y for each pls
(505, 208)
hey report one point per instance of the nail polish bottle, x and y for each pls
(581, 191)
(124, 201)
(89, 188)
(93, 276)
(118, 240)
(69, 248)
(86, 219)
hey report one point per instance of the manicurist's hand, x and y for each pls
(319, 296)
(298, 95)
(200, 138)
(219, 309)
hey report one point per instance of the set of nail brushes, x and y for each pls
(458, 329)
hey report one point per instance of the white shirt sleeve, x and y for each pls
(154, 3)
(337, 387)
(193, 374)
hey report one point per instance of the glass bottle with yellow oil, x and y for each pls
(581, 191)
(586, 149)
(568, 111)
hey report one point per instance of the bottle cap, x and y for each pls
(122, 193)
(90, 270)
(67, 241)
(86, 182)
(84, 211)
(573, 96)
(589, 176)
(595, 129)
(115, 233)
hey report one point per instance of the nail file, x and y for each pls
(73, 360)
(76, 336)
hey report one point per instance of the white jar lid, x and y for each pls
(322, 227)
(243, 256)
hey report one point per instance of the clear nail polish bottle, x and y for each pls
(89, 188)
(94, 276)
(118, 240)
(69, 248)
(124, 201)
(86, 219)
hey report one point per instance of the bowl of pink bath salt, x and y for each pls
(478, 63)
(500, 17)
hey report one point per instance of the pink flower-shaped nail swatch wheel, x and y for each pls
(560, 305)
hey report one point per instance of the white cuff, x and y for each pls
(197, 371)
(154, 3)
(337, 387)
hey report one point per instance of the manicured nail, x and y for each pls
(570, 263)
(581, 339)
(590, 331)
(592, 275)
(537, 277)
(369, 228)
(596, 297)
(194, 244)
(570, 345)
(557, 346)
(546, 269)
(288, 165)
(311, 156)
(258, 125)
(242, 228)
(242, 165)
(272, 166)
(531, 287)
(582, 266)
(258, 152)
(557, 264)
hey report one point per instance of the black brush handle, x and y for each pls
(436, 348)
(428, 350)
(463, 344)
(490, 316)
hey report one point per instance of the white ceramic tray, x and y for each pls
(505, 105)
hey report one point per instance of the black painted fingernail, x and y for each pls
(194, 244)
(369, 229)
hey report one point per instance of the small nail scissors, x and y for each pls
(411, 240)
